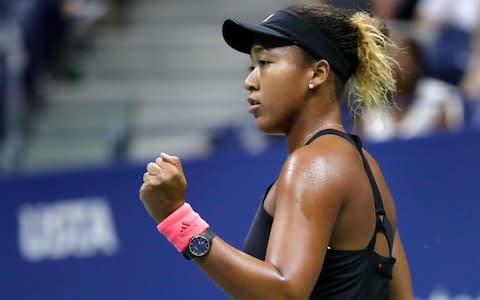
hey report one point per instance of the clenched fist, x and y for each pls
(164, 186)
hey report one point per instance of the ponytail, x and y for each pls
(373, 82)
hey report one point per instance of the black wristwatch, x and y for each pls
(199, 245)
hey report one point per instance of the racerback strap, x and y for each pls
(383, 224)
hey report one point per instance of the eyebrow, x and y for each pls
(257, 49)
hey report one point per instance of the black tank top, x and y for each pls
(346, 274)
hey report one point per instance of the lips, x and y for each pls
(253, 101)
(254, 105)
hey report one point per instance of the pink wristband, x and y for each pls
(181, 225)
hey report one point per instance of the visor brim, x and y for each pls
(241, 36)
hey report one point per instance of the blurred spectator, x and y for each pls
(403, 10)
(44, 30)
(470, 83)
(46, 27)
(453, 54)
(425, 105)
(12, 62)
(117, 12)
(36, 38)
(452, 24)
(3, 97)
(49, 33)
(12, 56)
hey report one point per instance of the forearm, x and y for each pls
(283, 274)
(242, 276)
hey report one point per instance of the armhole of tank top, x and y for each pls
(265, 197)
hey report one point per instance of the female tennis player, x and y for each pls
(326, 228)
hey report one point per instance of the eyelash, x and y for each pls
(261, 63)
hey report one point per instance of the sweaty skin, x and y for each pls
(321, 192)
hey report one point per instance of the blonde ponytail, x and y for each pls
(373, 82)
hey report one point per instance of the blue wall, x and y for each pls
(434, 181)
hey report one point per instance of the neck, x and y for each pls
(307, 127)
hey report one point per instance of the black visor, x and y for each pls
(287, 25)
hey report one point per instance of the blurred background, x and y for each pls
(90, 90)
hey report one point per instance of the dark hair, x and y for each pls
(362, 39)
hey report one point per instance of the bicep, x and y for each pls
(400, 286)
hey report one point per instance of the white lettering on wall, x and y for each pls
(74, 227)
(442, 294)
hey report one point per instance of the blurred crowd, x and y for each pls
(39, 40)
(438, 70)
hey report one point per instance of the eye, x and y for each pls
(263, 63)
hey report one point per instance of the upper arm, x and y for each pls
(400, 286)
(308, 197)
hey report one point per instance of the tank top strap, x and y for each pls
(382, 223)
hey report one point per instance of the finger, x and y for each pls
(171, 159)
(177, 162)
(145, 177)
(163, 164)
(153, 179)
(159, 161)
(153, 168)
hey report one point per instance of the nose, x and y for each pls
(251, 82)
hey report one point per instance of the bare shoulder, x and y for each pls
(327, 165)
(372, 162)
(328, 151)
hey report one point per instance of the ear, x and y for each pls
(321, 70)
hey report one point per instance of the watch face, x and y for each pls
(199, 245)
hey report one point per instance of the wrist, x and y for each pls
(181, 225)
(159, 218)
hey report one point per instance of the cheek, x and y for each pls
(284, 95)
(286, 86)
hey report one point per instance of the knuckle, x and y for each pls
(172, 171)
(172, 176)
(155, 182)
(178, 161)
(151, 166)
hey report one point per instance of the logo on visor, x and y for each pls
(267, 18)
